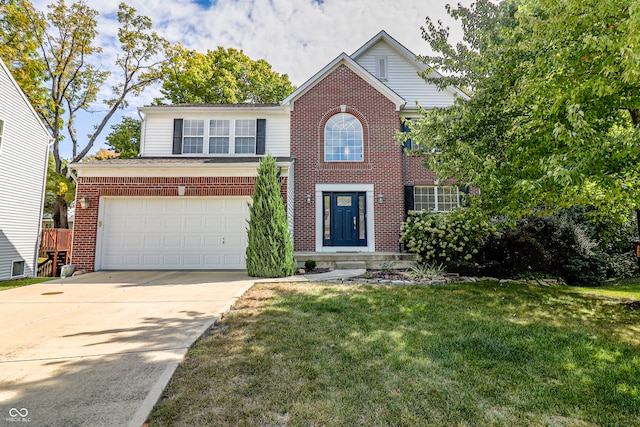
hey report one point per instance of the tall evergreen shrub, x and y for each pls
(269, 250)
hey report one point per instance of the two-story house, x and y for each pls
(24, 150)
(346, 183)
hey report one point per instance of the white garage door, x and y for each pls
(172, 233)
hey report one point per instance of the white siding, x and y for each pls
(158, 128)
(23, 159)
(403, 78)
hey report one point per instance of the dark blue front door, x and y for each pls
(344, 219)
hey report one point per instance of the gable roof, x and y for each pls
(404, 52)
(344, 59)
(13, 81)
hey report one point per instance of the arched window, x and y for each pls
(343, 139)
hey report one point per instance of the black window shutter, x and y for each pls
(463, 200)
(407, 142)
(177, 136)
(260, 135)
(408, 199)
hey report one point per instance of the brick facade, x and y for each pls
(92, 188)
(382, 165)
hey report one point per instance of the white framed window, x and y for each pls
(193, 136)
(343, 140)
(219, 137)
(245, 137)
(382, 71)
(436, 198)
(222, 136)
(17, 268)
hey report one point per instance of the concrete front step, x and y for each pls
(371, 260)
(350, 265)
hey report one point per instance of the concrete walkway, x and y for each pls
(99, 349)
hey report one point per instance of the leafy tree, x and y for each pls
(20, 27)
(58, 187)
(124, 138)
(102, 154)
(554, 117)
(269, 249)
(222, 76)
(64, 39)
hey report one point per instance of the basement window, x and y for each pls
(17, 268)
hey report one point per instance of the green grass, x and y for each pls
(466, 355)
(9, 284)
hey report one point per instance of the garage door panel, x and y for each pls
(173, 224)
(173, 242)
(194, 241)
(173, 233)
(150, 259)
(152, 242)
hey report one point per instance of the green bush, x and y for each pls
(445, 237)
(269, 247)
(554, 245)
(310, 265)
(621, 265)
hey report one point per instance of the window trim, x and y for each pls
(24, 268)
(184, 136)
(436, 198)
(236, 136)
(360, 129)
(206, 136)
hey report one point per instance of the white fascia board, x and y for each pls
(173, 170)
(209, 108)
(343, 58)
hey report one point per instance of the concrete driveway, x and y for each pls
(98, 349)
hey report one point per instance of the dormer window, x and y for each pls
(382, 71)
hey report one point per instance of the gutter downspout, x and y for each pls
(143, 126)
(44, 192)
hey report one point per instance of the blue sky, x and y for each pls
(297, 37)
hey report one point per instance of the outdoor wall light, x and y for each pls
(308, 197)
(381, 198)
(84, 203)
(181, 190)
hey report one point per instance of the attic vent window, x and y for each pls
(382, 71)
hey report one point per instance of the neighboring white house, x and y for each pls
(24, 147)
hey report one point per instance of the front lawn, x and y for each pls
(9, 284)
(469, 354)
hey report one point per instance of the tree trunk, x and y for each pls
(635, 119)
(60, 213)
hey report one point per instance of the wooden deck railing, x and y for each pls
(45, 269)
(55, 240)
(55, 244)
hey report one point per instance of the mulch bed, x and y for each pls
(633, 305)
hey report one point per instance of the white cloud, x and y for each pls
(297, 37)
